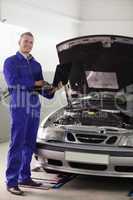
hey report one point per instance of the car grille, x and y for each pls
(91, 138)
(85, 138)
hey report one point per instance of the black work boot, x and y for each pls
(30, 183)
(15, 190)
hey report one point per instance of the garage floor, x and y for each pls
(81, 188)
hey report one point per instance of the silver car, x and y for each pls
(93, 134)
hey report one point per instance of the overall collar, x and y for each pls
(22, 57)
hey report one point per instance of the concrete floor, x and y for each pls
(81, 188)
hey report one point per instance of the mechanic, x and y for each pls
(23, 75)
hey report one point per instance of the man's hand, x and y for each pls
(39, 83)
(60, 85)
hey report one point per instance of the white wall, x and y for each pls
(106, 17)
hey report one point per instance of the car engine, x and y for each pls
(94, 112)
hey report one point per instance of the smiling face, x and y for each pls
(26, 44)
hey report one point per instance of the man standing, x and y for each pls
(23, 74)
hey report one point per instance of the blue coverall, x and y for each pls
(20, 75)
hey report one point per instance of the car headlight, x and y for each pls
(50, 134)
(126, 141)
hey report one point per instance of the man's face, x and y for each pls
(26, 44)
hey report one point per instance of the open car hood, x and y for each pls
(95, 63)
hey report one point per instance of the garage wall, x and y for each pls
(0, 9)
(106, 17)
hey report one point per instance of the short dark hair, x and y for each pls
(27, 33)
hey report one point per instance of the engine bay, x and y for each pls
(97, 112)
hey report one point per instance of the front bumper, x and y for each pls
(120, 164)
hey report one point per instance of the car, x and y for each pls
(93, 133)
